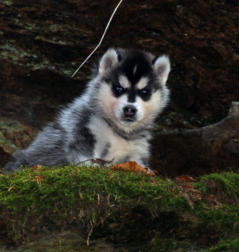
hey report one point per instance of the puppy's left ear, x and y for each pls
(162, 68)
(108, 61)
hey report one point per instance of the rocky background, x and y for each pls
(42, 43)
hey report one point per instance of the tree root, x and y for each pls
(199, 151)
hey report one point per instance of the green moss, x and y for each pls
(7, 2)
(14, 135)
(77, 194)
(219, 207)
(126, 207)
(224, 185)
(228, 181)
(223, 246)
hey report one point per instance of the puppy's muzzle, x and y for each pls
(129, 113)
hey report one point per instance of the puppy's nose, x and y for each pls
(129, 111)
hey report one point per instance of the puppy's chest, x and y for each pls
(110, 146)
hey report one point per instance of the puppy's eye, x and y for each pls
(118, 90)
(144, 91)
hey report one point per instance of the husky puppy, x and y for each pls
(113, 118)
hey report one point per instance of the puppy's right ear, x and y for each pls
(108, 61)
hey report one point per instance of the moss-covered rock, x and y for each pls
(13, 136)
(117, 210)
(224, 246)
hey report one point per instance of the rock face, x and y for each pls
(43, 42)
(212, 148)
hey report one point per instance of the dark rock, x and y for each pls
(43, 42)
(212, 148)
(5, 157)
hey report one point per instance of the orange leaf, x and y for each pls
(133, 167)
(187, 186)
(185, 178)
(37, 167)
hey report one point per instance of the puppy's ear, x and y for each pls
(162, 68)
(108, 61)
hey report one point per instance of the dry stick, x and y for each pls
(102, 37)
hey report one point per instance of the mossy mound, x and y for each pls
(124, 211)
(223, 245)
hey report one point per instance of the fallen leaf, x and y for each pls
(132, 166)
(187, 186)
(187, 189)
(37, 167)
(185, 178)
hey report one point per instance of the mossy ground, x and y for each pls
(64, 208)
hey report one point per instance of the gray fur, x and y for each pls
(86, 130)
(105, 151)
(42, 151)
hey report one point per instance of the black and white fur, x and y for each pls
(113, 118)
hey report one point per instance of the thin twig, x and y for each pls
(102, 37)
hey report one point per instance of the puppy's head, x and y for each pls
(133, 88)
